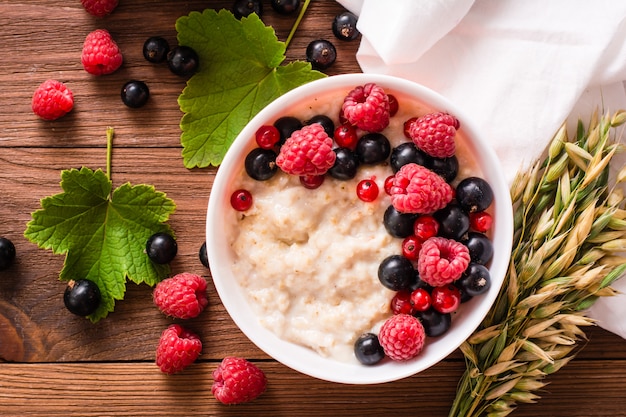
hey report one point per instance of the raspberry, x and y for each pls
(402, 337)
(442, 261)
(419, 190)
(52, 99)
(101, 55)
(178, 348)
(308, 151)
(99, 8)
(182, 296)
(237, 381)
(434, 134)
(367, 107)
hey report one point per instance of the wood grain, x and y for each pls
(56, 364)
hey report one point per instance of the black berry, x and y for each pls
(285, 7)
(155, 49)
(202, 254)
(286, 125)
(7, 253)
(453, 221)
(183, 60)
(321, 54)
(373, 148)
(397, 273)
(135, 93)
(447, 168)
(368, 350)
(406, 153)
(476, 280)
(161, 248)
(474, 194)
(480, 247)
(326, 122)
(244, 8)
(435, 323)
(82, 297)
(260, 164)
(346, 164)
(344, 26)
(398, 224)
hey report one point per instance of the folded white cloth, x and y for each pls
(518, 69)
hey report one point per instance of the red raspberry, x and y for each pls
(99, 8)
(434, 134)
(308, 151)
(442, 261)
(182, 296)
(419, 190)
(101, 55)
(52, 99)
(237, 381)
(367, 107)
(178, 348)
(402, 337)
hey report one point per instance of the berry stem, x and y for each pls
(305, 5)
(110, 134)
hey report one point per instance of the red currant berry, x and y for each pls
(425, 227)
(311, 181)
(367, 190)
(342, 118)
(411, 247)
(407, 126)
(446, 299)
(401, 303)
(420, 299)
(241, 200)
(389, 184)
(393, 105)
(480, 221)
(267, 136)
(345, 136)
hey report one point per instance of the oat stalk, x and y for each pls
(569, 247)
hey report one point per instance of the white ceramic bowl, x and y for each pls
(304, 359)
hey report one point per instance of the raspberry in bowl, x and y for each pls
(337, 222)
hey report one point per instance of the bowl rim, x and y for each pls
(305, 360)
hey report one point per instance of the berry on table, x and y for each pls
(135, 93)
(244, 8)
(241, 200)
(442, 261)
(155, 49)
(419, 190)
(7, 253)
(434, 134)
(236, 380)
(285, 7)
(402, 337)
(182, 296)
(202, 254)
(52, 100)
(367, 107)
(101, 55)
(183, 60)
(99, 8)
(396, 273)
(82, 297)
(321, 53)
(344, 26)
(474, 194)
(367, 190)
(308, 151)
(161, 248)
(368, 350)
(177, 349)
(346, 164)
(260, 164)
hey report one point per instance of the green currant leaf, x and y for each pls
(102, 234)
(240, 73)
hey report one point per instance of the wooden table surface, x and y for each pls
(55, 364)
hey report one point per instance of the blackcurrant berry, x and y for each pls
(285, 7)
(398, 224)
(474, 194)
(202, 254)
(321, 54)
(82, 297)
(447, 168)
(368, 350)
(244, 8)
(373, 148)
(7, 253)
(183, 60)
(135, 93)
(344, 26)
(406, 153)
(161, 248)
(260, 164)
(435, 323)
(476, 280)
(453, 222)
(155, 49)
(346, 164)
(480, 247)
(397, 273)
(326, 122)
(286, 125)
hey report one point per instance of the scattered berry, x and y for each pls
(434, 134)
(260, 164)
(480, 247)
(480, 221)
(453, 222)
(161, 248)
(321, 53)
(155, 49)
(177, 349)
(420, 299)
(401, 303)
(402, 337)
(476, 280)
(183, 61)
(285, 7)
(82, 297)
(367, 107)
(202, 254)
(346, 164)
(346, 136)
(396, 273)
(367, 190)
(135, 93)
(52, 99)
(182, 296)
(267, 136)
(435, 323)
(411, 246)
(241, 200)
(368, 350)
(244, 8)
(237, 380)
(398, 224)
(308, 151)
(442, 261)
(446, 299)
(99, 8)
(373, 148)
(7, 253)
(425, 227)
(101, 55)
(344, 26)
(474, 194)
(419, 190)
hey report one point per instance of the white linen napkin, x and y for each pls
(518, 69)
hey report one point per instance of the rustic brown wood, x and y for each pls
(55, 364)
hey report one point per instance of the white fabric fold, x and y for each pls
(518, 69)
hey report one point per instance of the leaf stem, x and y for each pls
(305, 5)
(110, 134)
